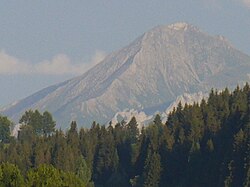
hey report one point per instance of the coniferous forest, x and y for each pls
(206, 144)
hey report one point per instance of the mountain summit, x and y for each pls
(149, 73)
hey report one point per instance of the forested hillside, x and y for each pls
(206, 144)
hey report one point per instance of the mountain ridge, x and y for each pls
(158, 66)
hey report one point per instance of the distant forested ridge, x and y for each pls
(206, 144)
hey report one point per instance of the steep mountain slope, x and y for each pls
(150, 72)
(146, 117)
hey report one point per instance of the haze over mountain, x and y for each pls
(148, 74)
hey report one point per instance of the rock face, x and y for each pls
(146, 117)
(148, 74)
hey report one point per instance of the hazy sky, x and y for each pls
(45, 42)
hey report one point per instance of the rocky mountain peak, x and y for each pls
(179, 26)
(146, 75)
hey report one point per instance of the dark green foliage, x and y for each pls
(106, 157)
(132, 131)
(48, 123)
(47, 175)
(206, 144)
(152, 170)
(83, 171)
(4, 129)
(10, 176)
(44, 175)
(41, 124)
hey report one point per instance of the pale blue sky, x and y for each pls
(37, 37)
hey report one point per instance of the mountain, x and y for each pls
(148, 74)
(145, 117)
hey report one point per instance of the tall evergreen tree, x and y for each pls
(152, 170)
(4, 129)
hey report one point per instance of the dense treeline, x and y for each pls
(206, 144)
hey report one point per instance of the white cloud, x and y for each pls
(11, 65)
(58, 65)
